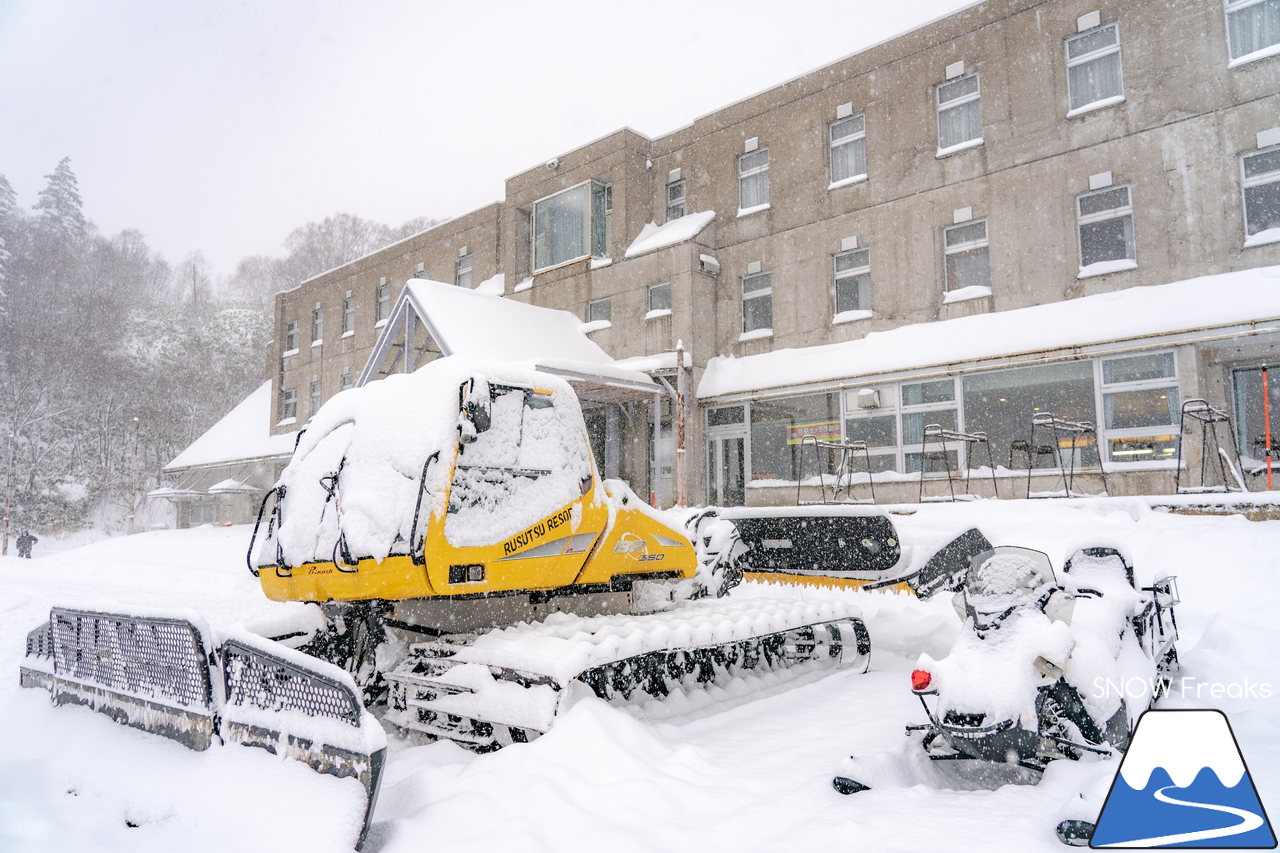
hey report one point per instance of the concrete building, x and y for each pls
(1015, 155)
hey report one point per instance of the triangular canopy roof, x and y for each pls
(432, 320)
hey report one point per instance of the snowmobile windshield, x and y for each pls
(1004, 579)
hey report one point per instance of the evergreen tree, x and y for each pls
(8, 212)
(61, 214)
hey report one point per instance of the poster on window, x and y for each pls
(822, 431)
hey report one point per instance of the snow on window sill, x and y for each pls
(1104, 267)
(850, 316)
(1271, 50)
(844, 182)
(1096, 105)
(963, 146)
(597, 263)
(595, 326)
(964, 294)
(350, 334)
(286, 421)
(525, 284)
(747, 211)
(755, 333)
(658, 312)
(315, 344)
(380, 324)
(1263, 238)
(288, 353)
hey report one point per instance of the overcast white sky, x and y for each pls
(221, 126)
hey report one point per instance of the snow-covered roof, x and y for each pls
(243, 434)
(1246, 296)
(653, 236)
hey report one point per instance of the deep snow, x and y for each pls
(741, 775)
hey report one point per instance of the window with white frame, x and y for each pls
(570, 225)
(1141, 407)
(349, 314)
(757, 302)
(753, 179)
(315, 395)
(1260, 178)
(848, 141)
(462, 272)
(959, 112)
(660, 297)
(600, 310)
(871, 416)
(925, 403)
(1003, 404)
(291, 333)
(288, 404)
(675, 200)
(317, 325)
(384, 300)
(1094, 76)
(853, 281)
(1105, 224)
(965, 255)
(1253, 29)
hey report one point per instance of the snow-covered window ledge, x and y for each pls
(595, 326)
(380, 324)
(747, 211)
(964, 294)
(963, 146)
(1263, 238)
(288, 353)
(315, 344)
(1270, 50)
(286, 422)
(1104, 267)
(658, 312)
(754, 334)
(350, 334)
(850, 316)
(524, 284)
(597, 263)
(1096, 105)
(845, 182)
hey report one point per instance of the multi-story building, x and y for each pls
(940, 229)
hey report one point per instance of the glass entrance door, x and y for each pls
(726, 469)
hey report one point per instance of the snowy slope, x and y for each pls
(741, 776)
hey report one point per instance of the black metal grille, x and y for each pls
(258, 678)
(152, 657)
(40, 642)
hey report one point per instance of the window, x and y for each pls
(1260, 172)
(877, 425)
(965, 256)
(1094, 76)
(1105, 220)
(317, 325)
(291, 331)
(1251, 426)
(1002, 404)
(349, 315)
(1253, 29)
(925, 403)
(660, 297)
(289, 404)
(853, 281)
(757, 302)
(753, 179)
(599, 311)
(346, 379)
(778, 428)
(384, 299)
(315, 396)
(675, 200)
(203, 512)
(1141, 407)
(848, 140)
(570, 225)
(959, 113)
(462, 272)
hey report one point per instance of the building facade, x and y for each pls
(1016, 154)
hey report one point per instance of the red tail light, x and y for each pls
(920, 680)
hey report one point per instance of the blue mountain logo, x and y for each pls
(1183, 783)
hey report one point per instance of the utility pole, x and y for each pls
(682, 499)
(8, 492)
(133, 480)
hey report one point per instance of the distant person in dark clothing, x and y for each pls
(25, 542)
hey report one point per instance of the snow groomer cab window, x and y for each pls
(570, 225)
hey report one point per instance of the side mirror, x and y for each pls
(476, 415)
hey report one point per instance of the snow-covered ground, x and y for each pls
(744, 775)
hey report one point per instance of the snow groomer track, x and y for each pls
(506, 686)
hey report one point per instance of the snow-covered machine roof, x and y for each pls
(243, 434)
(1194, 305)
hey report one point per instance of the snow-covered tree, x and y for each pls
(61, 210)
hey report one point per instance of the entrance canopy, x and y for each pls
(433, 320)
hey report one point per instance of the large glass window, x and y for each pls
(848, 148)
(1141, 407)
(1251, 414)
(753, 179)
(1105, 222)
(1093, 68)
(778, 428)
(925, 403)
(959, 112)
(1002, 404)
(757, 302)
(570, 225)
(1260, 173)
(965, 252)
(853, 281)
(1253, 28)
(872, 417)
